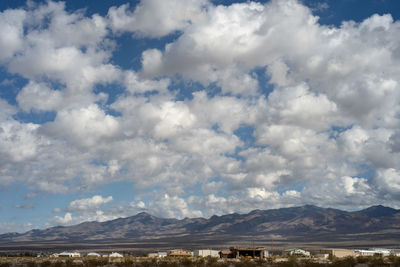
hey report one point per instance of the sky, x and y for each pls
(190, 108)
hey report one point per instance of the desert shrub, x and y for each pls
(260, 262)
(163, 263)
(45, 264)
(362, 259)
(287, 264)
(30, 264)
(69, 263)
(201, 262)
(186, 262)
(377, 261)
(96, 262)
(146, 263)
(212, 261)
(58, 264)
(311, 263)
(168, 263)
(224, 264)
(244, 263)
(344, 262)
(396, 261)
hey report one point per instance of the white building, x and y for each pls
(373, 251)
(115, 255)
(297, 252)
(162, 254)
(93, 254)
(69, 254)
(206, 253)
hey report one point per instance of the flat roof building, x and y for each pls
(179, 253)
(206, 253)
(69, 254)
(297, 252)
(338, 252)
(244, 252)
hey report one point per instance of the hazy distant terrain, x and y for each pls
(307, 224)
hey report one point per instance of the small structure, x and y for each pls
(179, 253)
(323, 256)
(338, 252)
(247, 252)
(93, 255)
(115, 255)
(162, 254)
(69, 254)
(157, 255)
(225, 254)
(206, 253)
(296, 252)
(373, 252)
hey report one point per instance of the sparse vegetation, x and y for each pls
(200, 262)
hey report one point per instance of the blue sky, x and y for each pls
(189, 108)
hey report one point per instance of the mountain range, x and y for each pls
(309, 223)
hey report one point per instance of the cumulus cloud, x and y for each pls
(11, 32)
(18, 141)
(172, 207)
(88, 203)
(156, 18)
(39, 97)
(65, 50)
(235, 39)
(84, 126)
(58, 220)
(96, 208)
(389, 181)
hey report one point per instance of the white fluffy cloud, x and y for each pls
(39, 97)
(84, 126)
(11, 33)
(156, 18)
(18, 141)
(172, 207)
(389, 181)
(96, 208)
(58, 220)
(88, 203)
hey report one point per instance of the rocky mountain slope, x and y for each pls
(306, 223)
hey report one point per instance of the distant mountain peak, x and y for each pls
(379, 211)
(143, 214)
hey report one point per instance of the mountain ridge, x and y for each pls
(307, 222)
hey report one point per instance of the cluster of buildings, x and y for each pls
(341, 253)
(233, 252)
(249, 252)
(66, 254)
(377, 251)
(261, 252)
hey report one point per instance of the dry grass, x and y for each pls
(195, 262)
